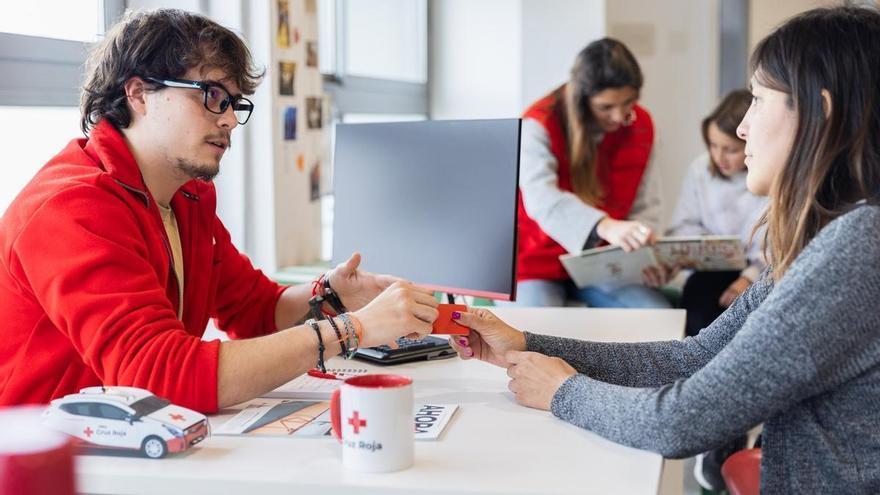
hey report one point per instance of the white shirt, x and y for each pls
(714, 205)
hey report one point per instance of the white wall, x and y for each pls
(677, 44)
(551, 35)
(491, 58)
(765, 16)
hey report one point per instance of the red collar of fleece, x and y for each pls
(108, 147)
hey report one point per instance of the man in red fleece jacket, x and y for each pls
(113, 259)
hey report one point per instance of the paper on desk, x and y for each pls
(311, 419)
(280, 417)
(313, 388)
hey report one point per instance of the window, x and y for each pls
(375, 55)
(35, 135)
(78, 20)
(111, 412)
(81, 408)
(43, 45)
(375, 59)
(386, 39)
(148, 405)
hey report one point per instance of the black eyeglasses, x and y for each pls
(217, 98)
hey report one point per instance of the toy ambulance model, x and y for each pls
(126, 418)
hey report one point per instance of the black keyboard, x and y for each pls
(428, 348)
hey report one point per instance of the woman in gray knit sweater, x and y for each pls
(800, 350)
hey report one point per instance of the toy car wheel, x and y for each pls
(154, 447)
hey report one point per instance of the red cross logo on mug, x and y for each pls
(356, 422)
(88, 431)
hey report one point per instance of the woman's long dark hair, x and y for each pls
(835, 161)
(603, 64)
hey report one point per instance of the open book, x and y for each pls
(612, 266)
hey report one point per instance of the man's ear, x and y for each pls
(826, 103)
(135, 90)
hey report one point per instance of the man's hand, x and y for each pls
(535, 378)
(401, 310)
(356, 288)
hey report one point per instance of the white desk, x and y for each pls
(492, 445)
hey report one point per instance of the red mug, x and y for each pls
(377, 433)
(33, 458)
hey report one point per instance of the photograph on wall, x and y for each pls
(311, 7)
(283, 24)
(286, 78)
(290, 123)
(315, 181)
(312, 53)
(313, 112)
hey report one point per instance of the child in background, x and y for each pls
(714, 200)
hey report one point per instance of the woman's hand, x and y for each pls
(659, 275)
(625, 233)
(535, 378)
(356, 288)
(733, 291)
(489, 338)
(400, 310)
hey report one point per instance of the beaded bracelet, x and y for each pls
(312, 323)
(342, 342)
(352, 334)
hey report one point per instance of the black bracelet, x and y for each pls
(317, 329)
(332, 297)
(338, 336)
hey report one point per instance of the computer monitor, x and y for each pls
(433, 202)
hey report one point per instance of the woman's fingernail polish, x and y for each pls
(463, 342)
(456, 315)
(468, 352)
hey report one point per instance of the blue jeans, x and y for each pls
(535, 293)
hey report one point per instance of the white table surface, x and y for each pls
(492, 445)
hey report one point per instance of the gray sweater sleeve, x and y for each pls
(651, 364)
(814, 331)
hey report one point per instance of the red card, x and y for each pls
(445, 324)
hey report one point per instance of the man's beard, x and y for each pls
(199, 171)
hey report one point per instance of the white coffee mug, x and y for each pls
(373, 419)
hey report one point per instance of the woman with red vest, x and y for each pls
(585, 179)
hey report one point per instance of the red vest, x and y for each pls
(622, 159)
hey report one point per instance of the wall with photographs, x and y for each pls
(301, 147)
